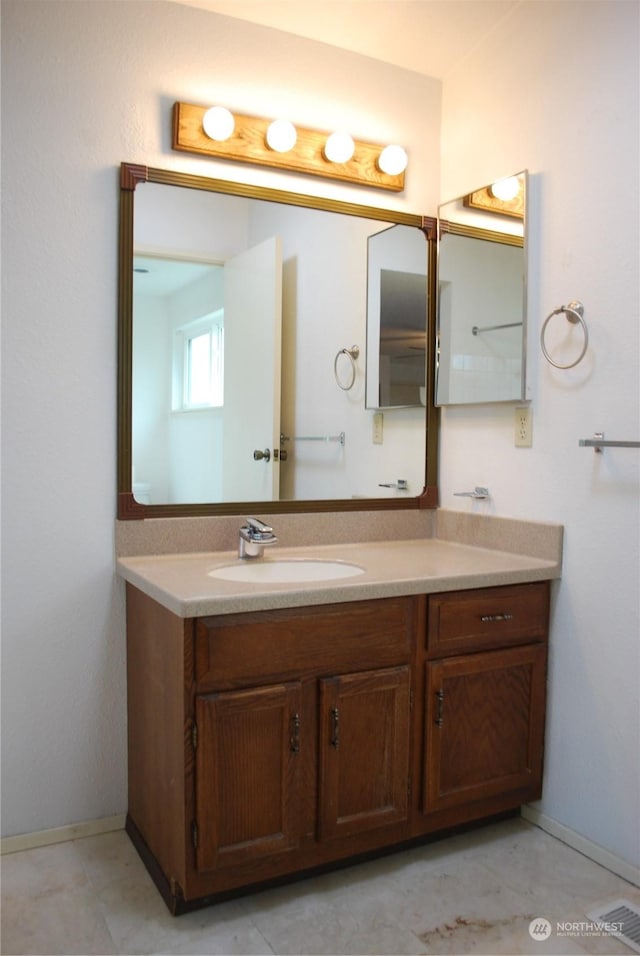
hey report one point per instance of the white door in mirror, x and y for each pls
(252, 336)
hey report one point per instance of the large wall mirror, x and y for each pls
(482, 298)
(239, 384)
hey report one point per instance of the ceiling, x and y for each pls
(427, 36)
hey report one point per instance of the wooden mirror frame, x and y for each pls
(127, 507)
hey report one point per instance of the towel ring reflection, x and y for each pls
(352, 355)
(575, 313)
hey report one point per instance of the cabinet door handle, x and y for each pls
(335, 727)
(440, 703)
(294, 740)
(496, 617)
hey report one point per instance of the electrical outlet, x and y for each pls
(523, 427)
(376, 436)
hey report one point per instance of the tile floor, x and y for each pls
(474, 893)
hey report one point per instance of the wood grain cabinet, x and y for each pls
(364, 752)
(266, 744)
(485, 684)
(247, 780)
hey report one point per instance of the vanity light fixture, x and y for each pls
(506, 189)
(218, 123)
(250, 139)
(393, 160)
(281, 136)
(339, 148)
(505, 196)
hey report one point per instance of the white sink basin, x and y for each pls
(286, 571)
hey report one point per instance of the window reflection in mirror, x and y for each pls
(205, 389)
(482, 297)
(177, 395)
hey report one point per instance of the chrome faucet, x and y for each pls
(254, 537)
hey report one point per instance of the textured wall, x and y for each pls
(87, 85)
(556, 90)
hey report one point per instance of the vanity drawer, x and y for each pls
(244, 650)
(463, 621)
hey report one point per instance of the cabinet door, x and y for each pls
(364, 751)
(247, 775)
(484, 726)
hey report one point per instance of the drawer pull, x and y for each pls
(294, 740)
(335, 727)
(496, 617)
(440, 700)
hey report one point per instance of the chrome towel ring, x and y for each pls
(352, 354)
(574, 313)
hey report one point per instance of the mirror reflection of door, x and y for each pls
(253, 333)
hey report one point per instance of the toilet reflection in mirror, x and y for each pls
(482, 259)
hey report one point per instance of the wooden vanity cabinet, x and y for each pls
(267, 744)
(248, 781)
(484, 713)
(294, 749)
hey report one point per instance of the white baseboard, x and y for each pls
(74, 831)
(575, 840)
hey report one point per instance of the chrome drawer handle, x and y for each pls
(496, 617)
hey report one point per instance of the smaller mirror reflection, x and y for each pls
(396, 318)
(482, 295)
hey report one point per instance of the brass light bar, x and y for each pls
(247, 144)
(484, 199)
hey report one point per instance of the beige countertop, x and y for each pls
(182, 582)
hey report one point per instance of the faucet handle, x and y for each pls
(258, 529)
(478, 492)
(255, 535)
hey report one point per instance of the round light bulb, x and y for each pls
(218, 123)
(393, 160)
(506, 189)
(339, 148)
(281, 136)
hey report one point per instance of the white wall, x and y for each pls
(555, 90)
(86, 86)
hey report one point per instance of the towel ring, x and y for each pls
(575, 313)
(352, 355)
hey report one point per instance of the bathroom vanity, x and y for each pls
(278, 729)
(278, 723)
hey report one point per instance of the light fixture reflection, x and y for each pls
(339, 148)
(393, 160)
(281, 136)
(506, 189)
(218, 123)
